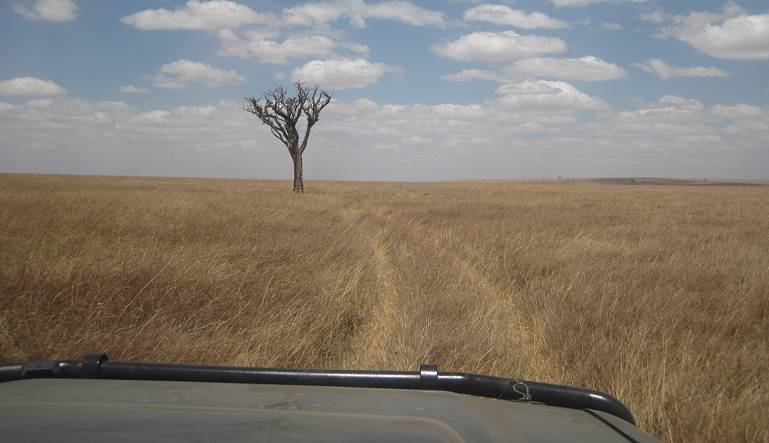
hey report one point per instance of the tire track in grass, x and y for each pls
(514, 331)
(372, 345)
(507, 342)
(517, 340)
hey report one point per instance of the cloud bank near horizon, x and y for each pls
(517, 94)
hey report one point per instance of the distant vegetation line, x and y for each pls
(656, 294)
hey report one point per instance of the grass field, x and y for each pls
(656, 294)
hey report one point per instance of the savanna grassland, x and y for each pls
(656, 294)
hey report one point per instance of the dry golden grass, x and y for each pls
(657, 294)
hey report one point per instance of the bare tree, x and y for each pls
(281, 112)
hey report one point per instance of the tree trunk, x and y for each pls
(298, 180)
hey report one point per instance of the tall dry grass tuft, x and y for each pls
(658, 295)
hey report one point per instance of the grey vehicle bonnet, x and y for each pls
(292, 408)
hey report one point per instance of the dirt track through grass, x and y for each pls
(656, 294)
(377, 331)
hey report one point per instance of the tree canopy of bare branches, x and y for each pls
(281, 112)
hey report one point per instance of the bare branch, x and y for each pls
(317, 99)
(268, 117)
(281, 112)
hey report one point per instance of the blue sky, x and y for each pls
(423, 90)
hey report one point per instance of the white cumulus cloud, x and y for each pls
(341, 73)
(467, 75)
(587, 68)
(275, 39)
(265, 47)
(181, 74)
(589, 2)
(30, 86)
(132, 89)
(356, 11)
(655, 16)
(49, 10)
(197, 15)
(664, 70)
(499, 46)
(740, 110)
(667, 113)
(504, 15)
(157, 117)
(611, 26)
(573, 2)
(730, 34)
(321, 13)
(543, 94)
(405, 12)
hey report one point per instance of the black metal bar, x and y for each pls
(145, 371)
(428, 378)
